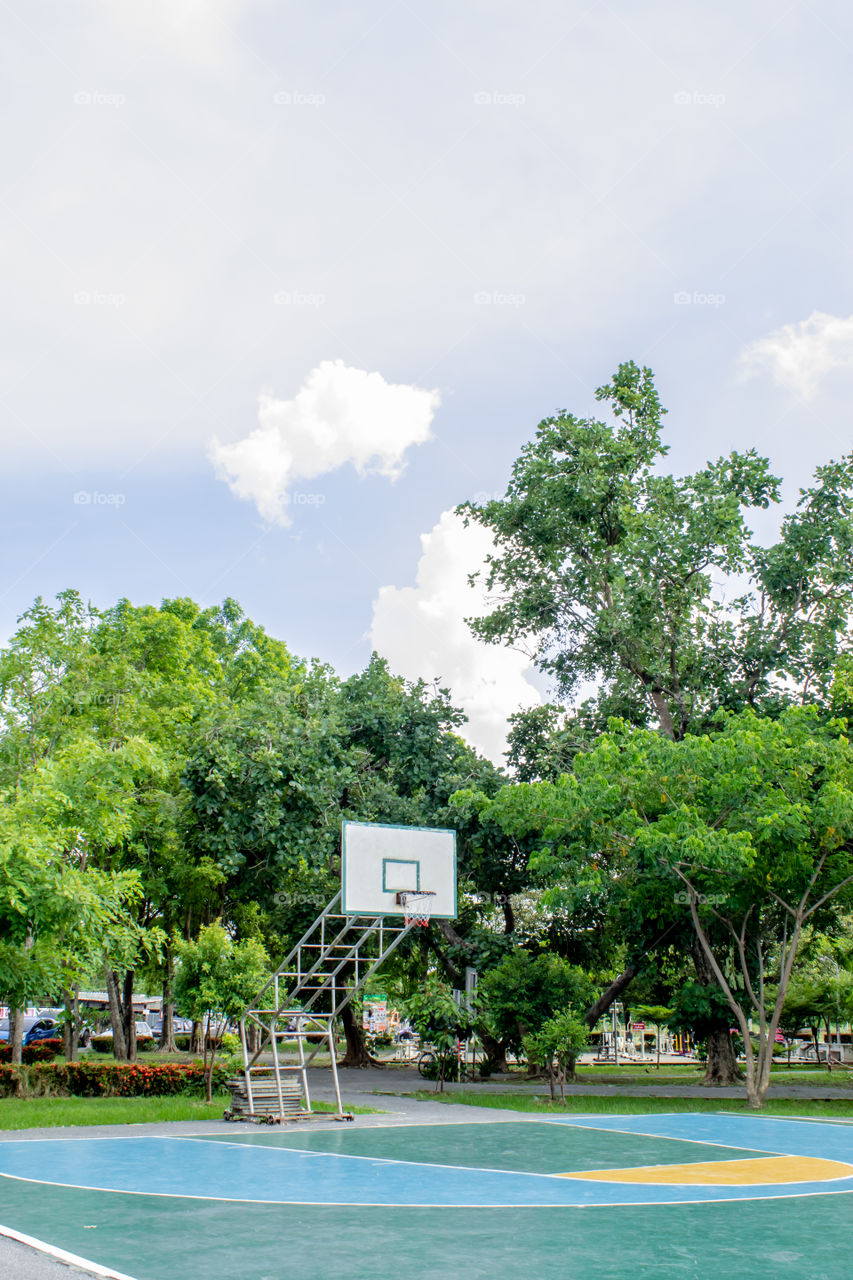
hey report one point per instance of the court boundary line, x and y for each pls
(473, 1168)
(396, 1204)
(668, 1137)
(136, 1137)
(62, 1255)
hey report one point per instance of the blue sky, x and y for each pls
(356, 253)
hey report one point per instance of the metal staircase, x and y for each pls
(330, 963)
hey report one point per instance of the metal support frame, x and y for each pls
(332, 961)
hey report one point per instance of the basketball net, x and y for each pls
(417, 907)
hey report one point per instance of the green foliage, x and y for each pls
(217, 976)
(699, 1009)
(557, 1045)
(105, 1079)
(605, 564)
(437, 1018)
(521, 993)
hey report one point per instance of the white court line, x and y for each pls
(140, 1137)
(664, 1137)
(61, 1255)
(402, 1204)
(415, 1164)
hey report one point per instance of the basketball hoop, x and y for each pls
(417, 906)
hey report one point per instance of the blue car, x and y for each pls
(31, 1022)
(43, 1029)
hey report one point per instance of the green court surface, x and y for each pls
(525, 1147)
(369, 1200)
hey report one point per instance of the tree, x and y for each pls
(58, 915)
(557, 1045)
(215, 981)
(517, 996)
(439, 1021)
(754, 821)
(605, 569)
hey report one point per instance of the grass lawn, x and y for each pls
(838, 1108)
(44, 1113)
(637, 1076)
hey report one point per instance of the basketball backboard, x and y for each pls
(380, 861)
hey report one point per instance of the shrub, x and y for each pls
(104, 1044)
(43, 1051)
(108, 1080)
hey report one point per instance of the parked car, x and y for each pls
(30, 1021)
(183, 1026)
(43, 1029)
(144, 1035)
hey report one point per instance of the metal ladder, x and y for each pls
(329, 964)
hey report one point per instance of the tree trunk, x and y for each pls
(196, 1038)
(722, 1065)
(129, 1017)
(16, 1034)
(611, 994)
(495, 1053)
(357, 1054)
(116, 1016)
(71, 1028)
(167, 1024)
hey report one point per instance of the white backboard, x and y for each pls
(379, 861)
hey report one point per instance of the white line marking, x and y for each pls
(61, 1255)
(402, 1204)
(665, 1137)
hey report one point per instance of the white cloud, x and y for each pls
(421, 630)
(199, 31)
(799, 356)
(339, 415)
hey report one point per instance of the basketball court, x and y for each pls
(426, 1189)
(704, 1195)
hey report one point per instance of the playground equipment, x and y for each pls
(393, 879)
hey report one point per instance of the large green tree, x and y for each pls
(612, 571)
(746, 831)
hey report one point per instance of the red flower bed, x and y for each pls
(106, 1079)
(42, 1051)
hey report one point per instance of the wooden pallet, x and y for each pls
(265, 1098)
(266, 1108)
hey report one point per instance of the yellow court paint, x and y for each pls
(728, 1173)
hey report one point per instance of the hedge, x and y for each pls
(104, 1044)
(108, 1080)
(41, 1051)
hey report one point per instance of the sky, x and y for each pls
(286, 283)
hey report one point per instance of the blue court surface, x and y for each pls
(683, 1195)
